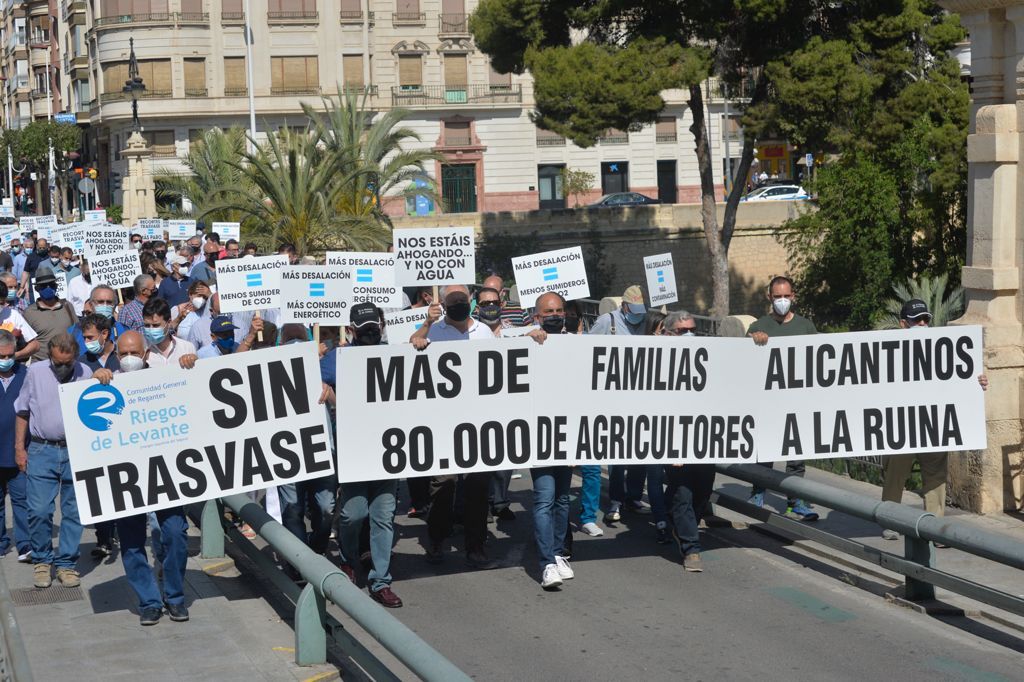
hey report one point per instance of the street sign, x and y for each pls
(809, 160)
(65, 118)
(86, 186)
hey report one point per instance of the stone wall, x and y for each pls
(629, 234)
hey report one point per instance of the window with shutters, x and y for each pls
(234, 77)
(294, 75)
(291, 10)
(410, 71)
(351, 12)
(457, 134)
(161, 142)
(232, 10)
(499, 81)
(453, 17)
(407, 13)
(195, 77)
(114, 76)
(156, 76)
(352, 71)
(192, 10)
(665, 129)
(138, 10)
(456, 77)
(614, 136)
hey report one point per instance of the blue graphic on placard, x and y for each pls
(550, 273)
(254, 280)
(661, 276)
(364, 275)
(97, 404)
(317, 289)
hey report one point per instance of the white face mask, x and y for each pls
(198, 302)
(132, 363)
(781, 306)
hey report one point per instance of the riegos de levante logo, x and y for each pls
(97, 405)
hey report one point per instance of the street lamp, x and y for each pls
(51, 179)
(134, 84)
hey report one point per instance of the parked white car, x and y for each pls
(776, 193)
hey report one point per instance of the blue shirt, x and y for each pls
(19, 265)
(8, 394)
(131, 315)
(115, 331)
(174, 291)
(210, 350)
(39, 399)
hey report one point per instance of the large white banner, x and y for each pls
(561, 271)
(436, 255)
(101, 239)
(250, 283)
(164, 437)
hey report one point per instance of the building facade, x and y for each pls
(414, 54)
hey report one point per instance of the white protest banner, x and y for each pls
(9, 233)
(561, 271)
(250, 283)
(661, 279)
(44, 225)
(73, 237)
(400, 325)
(227, 231)
(314, 294)
(101, 239)
(437, 255)
(116, 270)
(513, 332)
(6, 211)
(27, 223)
(870, 393)
(165, 437)
(181, 229)
(96, 216)
(61, 285)
(149, 229)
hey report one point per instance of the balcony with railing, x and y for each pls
(450, 95)
(196, 92)
(236, 92)
(360, 90)
(614, 137)
(293, 17)
(409, 19)
(546, 138)
(665, 137)
(285, 90)
(453, 24)
(355, 17)
(193, 18)
(164, 150)
(232, 17)
(117, 20)
(119, 96)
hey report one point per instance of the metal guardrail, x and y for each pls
(14, 664)
(324, 582)
(918, 528)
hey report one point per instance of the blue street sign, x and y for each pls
(65, 118)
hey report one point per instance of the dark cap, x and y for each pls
(221, 323)
(914, 309)
(363, 314)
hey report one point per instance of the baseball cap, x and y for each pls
(633, 297)
(221, 323)
(363, 314)
(914, 309)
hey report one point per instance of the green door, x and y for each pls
(458, 187)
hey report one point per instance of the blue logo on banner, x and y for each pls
(317, 289)
(550, 273)
(661, 276)
(97, 404)
(254, 280)
(364, 275)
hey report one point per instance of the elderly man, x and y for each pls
(12, 298)
(12, 479)
(511, 315)
(206, 271)
(102, 301)
(174, 289)
(46, 460)
(131, 312)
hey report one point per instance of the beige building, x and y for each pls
(416, 54)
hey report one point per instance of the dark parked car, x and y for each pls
(624, 199)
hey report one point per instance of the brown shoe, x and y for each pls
(347, 570)
(68, 577)
(692, 563)
(479, 560)
(385, 597)
(41, 576)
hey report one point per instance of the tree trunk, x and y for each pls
(717, 249)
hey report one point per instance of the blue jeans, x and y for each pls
(550, 510)
(316, 496)
(49, 473)
(690, 488)
(173, 547)
(656, 492)
(626, 482)
(590, 492)
(12, 482)
(376, 500)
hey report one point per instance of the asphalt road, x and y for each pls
(759, 611)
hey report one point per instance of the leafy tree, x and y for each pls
(576, 181)
(31, 144)
(115, 214)
(209, 163)
(944, 302)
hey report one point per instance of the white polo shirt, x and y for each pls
(177, 348)
(442, 331)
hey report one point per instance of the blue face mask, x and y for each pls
(47, 293)
(5, 365)
(226, 345)
(15, 250)
(12, 295)
(635, 318)
(93, 347)
(155, 336)
(104, 310)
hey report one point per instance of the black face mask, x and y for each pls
(42, 252)
(211, 258)
(489, 312)
(63, 372)
(160, 254)
(458, 312)
(368, 337)
(553, 324)
(572, 324)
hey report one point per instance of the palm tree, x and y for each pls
(210, 166)
(348, 130)
(942, 305)
(286, 196)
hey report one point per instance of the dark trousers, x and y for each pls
(419, 492)
(474, 517)
(500, 481)
(12, 483)
(689, 489)
(794, 468)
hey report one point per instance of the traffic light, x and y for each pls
(92, 173)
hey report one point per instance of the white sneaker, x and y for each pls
(564, 570)
(25, 558)
(592, 529)
(551, 579)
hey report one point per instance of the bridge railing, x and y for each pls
(919, 528)
(324, 582)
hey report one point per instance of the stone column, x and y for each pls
(138, 191)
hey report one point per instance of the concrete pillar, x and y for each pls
(138, 190)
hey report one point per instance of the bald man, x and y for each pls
(511, 315)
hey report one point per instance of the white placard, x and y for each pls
(150, 229)
(250, 283)
(442, 255)
(165, 437)
(116, 270)
(361, 259)
(98, 215)
(227, 231)
(400, 325)
(9, 233)
(181, 229)
(6, 210)
(45, 225)
(101, 239)
(561, 271)
(314, 294)
(515, 332)
(73, 237)
(61, 278)
(661, 279)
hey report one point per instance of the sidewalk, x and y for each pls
(954, 561)
(92, 633)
